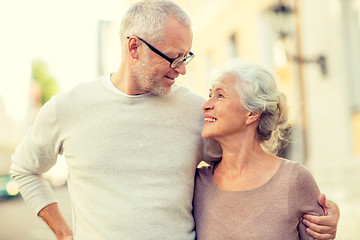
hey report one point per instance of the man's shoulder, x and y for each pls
(81, 94)
(186, 94)
(81, 89)
(93, 85)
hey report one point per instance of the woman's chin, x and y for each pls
(206, 135)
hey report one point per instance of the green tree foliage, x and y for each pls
(41, 76)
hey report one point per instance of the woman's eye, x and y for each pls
(220, 95)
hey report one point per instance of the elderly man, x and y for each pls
(132, 140)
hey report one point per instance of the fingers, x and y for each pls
(318, 220)
(320, 227)
(323, 202)
(323, 227)
(318, 236)
(333, 209)
(330, 220)
(317, 227)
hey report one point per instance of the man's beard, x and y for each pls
(147, 80)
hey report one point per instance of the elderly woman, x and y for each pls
(251, 193)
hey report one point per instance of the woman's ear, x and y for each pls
(252, 117)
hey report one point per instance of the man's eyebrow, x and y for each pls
(181, 54)
(178, 53)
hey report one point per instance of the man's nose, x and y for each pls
(181, 69)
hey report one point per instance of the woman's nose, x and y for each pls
(207, 106)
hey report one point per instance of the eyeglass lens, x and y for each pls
(178, 61)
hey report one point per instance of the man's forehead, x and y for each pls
(178, 35)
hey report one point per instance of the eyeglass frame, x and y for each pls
(185, 59)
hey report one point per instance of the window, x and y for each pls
(232, 46)
(351, 24)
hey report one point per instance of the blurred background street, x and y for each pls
(19, 222)
(48, 46)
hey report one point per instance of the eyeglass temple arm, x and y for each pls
(171, 60)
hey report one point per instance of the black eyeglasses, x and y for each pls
(174, 62)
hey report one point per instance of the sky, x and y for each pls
(63, 34)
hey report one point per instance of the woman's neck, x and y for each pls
(244, 166)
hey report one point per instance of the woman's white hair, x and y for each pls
(147, 19)
(257, 88)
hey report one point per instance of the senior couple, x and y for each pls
(133, 140)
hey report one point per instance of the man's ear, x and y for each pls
(133, 45)
(252, 117)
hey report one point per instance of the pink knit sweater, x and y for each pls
(271, 211)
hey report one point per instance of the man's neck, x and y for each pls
(121, 79)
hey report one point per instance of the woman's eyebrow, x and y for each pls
(217, 89)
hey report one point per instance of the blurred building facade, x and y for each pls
(316, 63)
(12, 126)
(10, 135)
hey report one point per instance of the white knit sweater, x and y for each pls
(131, 161)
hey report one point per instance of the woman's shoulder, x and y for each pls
(294, 165)
(299, 174)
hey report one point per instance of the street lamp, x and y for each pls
(282, 19)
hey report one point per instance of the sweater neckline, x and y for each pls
(250, 191)
(106, 80)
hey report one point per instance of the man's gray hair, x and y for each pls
(147, 19)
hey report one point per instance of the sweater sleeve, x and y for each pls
(35, 155)
(307, 193)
